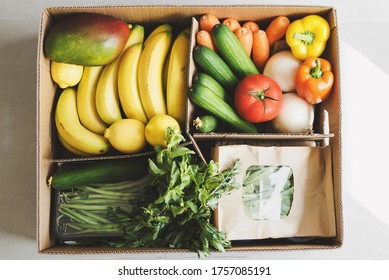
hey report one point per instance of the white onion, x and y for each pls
(296, 115)
(282, 67)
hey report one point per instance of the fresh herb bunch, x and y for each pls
(177, 210)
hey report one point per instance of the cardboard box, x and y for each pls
(150, 16)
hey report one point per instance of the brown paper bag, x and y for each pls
(311, 212)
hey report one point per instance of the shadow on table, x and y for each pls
(18, 138)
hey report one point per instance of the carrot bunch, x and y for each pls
(256, 42)
(206, 23)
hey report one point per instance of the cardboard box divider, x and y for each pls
(48, 150)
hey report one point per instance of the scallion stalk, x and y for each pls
(86, 209)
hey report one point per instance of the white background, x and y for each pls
(364, 42)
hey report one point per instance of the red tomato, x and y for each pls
(258, 98)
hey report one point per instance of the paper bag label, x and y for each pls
(311, 212)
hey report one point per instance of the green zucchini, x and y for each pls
(206, 99)
(232, 51)
(75, 174)
(207, 80)
(205, 124)
(215, 66)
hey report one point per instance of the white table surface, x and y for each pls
(364, 42)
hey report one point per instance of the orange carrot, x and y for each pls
(253, 26)
(207, 21)
(277, 29)
(204, 38)
(232, 23)
(245, 37)
(261, 49)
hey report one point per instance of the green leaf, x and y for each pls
(218, 246)
(213, 168)
(155, 170)
(177, 210)
(180, 152)
(202, 196)
(156, 231)
(185, 180)
(172, 196)
(163, 219)
(174, 174)
(192, 206)
(198, 178)
(173, 138)
(177, 242)
(159, 148)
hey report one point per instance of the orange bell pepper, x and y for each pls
(314, 80)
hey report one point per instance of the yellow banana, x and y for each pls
(161, 28)
(177, 75)
(107, 97)
(86, 100)
(165, 71)
(71, 130)
(107, 100)
(150, 73)
(128, 84)
(137, 35)
(70, 148)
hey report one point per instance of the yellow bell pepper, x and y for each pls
(308, 36)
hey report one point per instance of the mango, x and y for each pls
(86, 39)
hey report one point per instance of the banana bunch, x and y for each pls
(148, 78)
(72, 134)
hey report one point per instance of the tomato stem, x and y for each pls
(261, 96)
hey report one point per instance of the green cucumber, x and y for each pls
(210, 102)
(75, 174)
(207, 80)
(232, 51)
(215, 66)
(205, 124)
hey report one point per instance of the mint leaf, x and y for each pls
(178, 210)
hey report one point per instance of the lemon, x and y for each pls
(126, 135)
(66, 75)
(156, 129)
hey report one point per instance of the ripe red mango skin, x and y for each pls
(86, 39)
